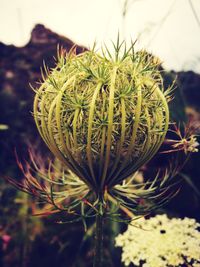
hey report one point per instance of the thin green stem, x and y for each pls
(89, 136)
(98, 249)
(110, 126)
(74, 123)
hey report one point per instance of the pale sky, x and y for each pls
(167, 28)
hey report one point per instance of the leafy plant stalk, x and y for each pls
(98, 249)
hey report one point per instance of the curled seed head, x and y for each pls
(103, 116)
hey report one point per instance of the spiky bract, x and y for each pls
(103, 116)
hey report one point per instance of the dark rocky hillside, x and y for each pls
(20, 67)
(189, 83)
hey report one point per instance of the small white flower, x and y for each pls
(161, 242)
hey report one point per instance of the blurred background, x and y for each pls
(30, 31)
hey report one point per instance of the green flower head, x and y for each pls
(103, 116)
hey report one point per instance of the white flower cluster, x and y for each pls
(161, 242)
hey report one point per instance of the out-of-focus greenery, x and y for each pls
(41, 241)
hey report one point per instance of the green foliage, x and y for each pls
(17, 225)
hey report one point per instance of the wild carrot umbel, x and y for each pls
(103, 116)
